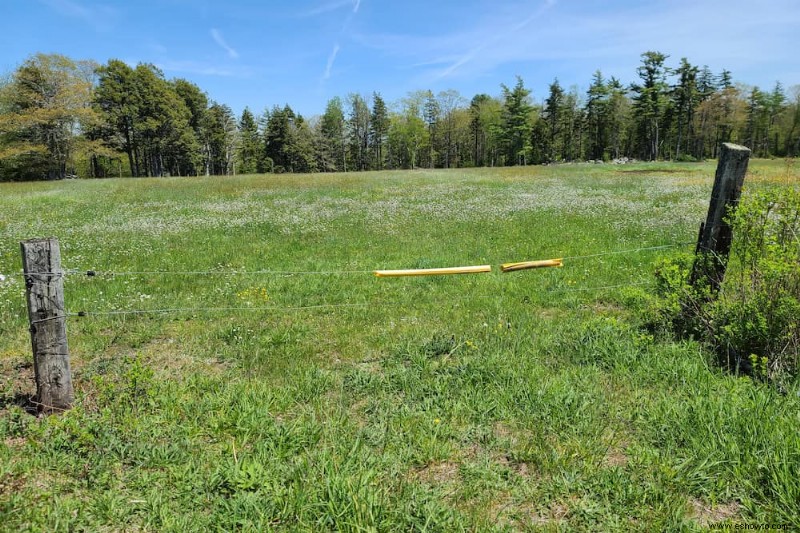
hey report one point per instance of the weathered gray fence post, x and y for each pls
(44, 284)
(714, 242)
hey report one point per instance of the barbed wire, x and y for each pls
(584, 289)
(95, 273)
(212, 309)
(177, 310)
(633, 250)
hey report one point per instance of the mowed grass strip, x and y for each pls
(487, 402)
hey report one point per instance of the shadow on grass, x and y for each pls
(25, 401)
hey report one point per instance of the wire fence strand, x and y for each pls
(632, 250)
(212, 309)
(268, 272)
(198, 310)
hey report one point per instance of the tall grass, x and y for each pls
(489, 402)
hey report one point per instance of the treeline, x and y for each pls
(60, 117)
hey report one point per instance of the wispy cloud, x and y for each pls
(343, 33)
(331, 60)
(571, 37)
(327, 7)
(217, 36)
(202, 69)
(499, 37)
(101, 17)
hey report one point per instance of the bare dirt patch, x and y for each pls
(528, 514)
(615, 456)
(705, 514)
(437, 473)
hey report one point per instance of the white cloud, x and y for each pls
(331, 60)
(217, 36)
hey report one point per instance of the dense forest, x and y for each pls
(60, 118)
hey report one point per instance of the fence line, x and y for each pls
(122, 312)
(95, 273)
(213, 309)
(663, 247)
(581, 289)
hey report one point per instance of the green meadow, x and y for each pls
(287, 388)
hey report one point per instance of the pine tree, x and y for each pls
(196, 102)
(757, 119)
(553, 107)
(379, 129)
(358, 124)
(650, 101)
(685, 97)
(517, 111)
(430, 114)
(249, 146)
(597, 116)
(278, 138)
(775, 106)
(334, 139)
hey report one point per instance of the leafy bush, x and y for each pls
(753, 322)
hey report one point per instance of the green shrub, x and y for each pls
(752, 324)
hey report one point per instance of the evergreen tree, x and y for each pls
(278, 138)
(164, 137)
(358, 124)
(249, 146)
(196, 102)
(517, 112)
(301, 146)
(597, 107)
(649, 102)
(334, 139)
(706, 83)
(685, 96)
(775, 106)
(757, 120)
(379, 129)
(551, 113)
(572, 125)
(431, 117)
(619, 119)
(725, 79)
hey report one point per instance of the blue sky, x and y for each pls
(261, 53)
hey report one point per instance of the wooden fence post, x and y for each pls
(44, 284)
(714, 242)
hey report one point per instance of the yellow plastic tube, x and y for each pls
(525, 265)
(433, 271)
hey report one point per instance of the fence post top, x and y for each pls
(736, 147)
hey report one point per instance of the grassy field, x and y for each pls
(522, 401)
